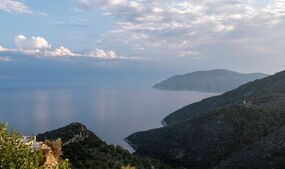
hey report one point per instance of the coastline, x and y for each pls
(164, 123)
(132, 145)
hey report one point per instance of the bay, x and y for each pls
(111, 113)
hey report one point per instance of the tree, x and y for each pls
(15, 154)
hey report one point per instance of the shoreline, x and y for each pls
(164, 123)
(132, 145)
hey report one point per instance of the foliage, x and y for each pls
(128, 167)
(204, 141)
(64, 164)
(91, 153)
(15, 154)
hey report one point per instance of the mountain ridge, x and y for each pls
(203, 134)
(217, 81)
(249, 93)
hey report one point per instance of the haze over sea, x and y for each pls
(111, 112)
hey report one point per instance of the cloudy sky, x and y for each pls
(140, 37)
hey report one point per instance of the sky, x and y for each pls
(140, 41)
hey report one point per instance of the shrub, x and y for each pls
(15, 154)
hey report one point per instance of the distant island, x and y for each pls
(217, 81)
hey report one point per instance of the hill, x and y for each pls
(204, 141)
(207, 133)
(268, 92)
(217, 81)
(85, 150)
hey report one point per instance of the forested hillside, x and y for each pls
(217, 129)
(85, 150)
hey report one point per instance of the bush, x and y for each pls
(15, 154)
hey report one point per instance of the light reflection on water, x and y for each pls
(111, 113)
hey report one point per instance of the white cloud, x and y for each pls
(97, 4)
(3, 49)
(108, 54)
(277, 8)
(189, 54)
(167, 24)
(39, 47)
(102, 54)
(59, 52)
(224, 28)
(24, 43)
(14, 6)
(5, 59)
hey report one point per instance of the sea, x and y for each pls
(112, 113)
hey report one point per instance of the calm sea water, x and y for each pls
(111, 113)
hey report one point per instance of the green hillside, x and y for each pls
(85, 150)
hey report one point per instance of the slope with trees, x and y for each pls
(85, 150)
(204, 134)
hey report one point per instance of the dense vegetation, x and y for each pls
(208, 81)
(264, 154)
(85, 150)
(204, 134)
(204, 141)
(15, 154)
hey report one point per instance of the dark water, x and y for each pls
(111, 113)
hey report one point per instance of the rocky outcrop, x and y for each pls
(74, 132)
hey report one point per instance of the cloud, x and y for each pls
(189, 25)
(39, 47)
(14, 6)
(5, 59)
(102, 54)
(97, 4)
(59, 52)
(189, 54)
(33, 43)
(224, 28)
(107, 54)
(277, 8)
(3, 49)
